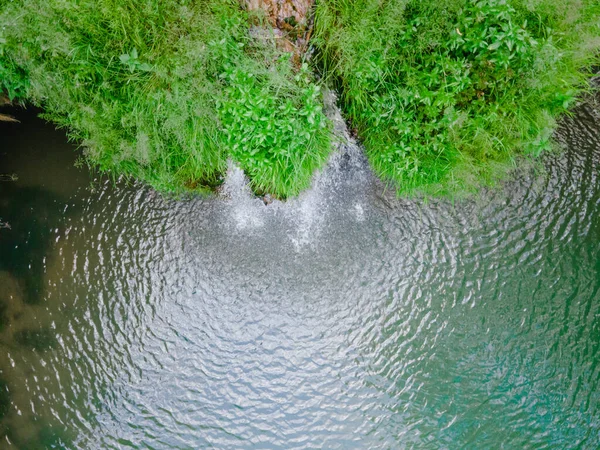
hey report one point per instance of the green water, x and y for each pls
(345, 319)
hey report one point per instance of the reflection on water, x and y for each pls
(344, 319)
(28, 212)
(33, 210)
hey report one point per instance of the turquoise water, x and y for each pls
(345, 319)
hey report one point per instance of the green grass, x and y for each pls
(446, 94)
(166, 91)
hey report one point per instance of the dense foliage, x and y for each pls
(166, 91)
(446, 92)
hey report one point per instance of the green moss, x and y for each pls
(446, 93)
(154, 90)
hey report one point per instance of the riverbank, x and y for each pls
(166, 92)
(444, 95)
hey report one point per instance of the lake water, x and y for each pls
(347, 318)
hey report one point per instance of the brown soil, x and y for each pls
(290, 20)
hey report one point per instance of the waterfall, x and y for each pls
(342, 182)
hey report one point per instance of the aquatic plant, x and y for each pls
(444, 93)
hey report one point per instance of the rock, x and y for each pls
(7, 118)
(267, 199)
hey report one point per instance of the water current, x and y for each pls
(347, 318)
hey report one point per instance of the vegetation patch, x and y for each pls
(444, 93)
(165, 91)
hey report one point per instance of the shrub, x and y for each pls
(442, 92)
(151, 89)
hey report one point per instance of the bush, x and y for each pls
(153, 89)
(443, 92)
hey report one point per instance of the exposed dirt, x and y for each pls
(291, 23)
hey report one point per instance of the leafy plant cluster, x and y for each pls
(276, 135)
(13, 80)
(152, 89)
(444, 92)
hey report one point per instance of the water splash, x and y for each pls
(341, 181)
(245, 209)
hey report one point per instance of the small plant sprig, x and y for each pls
(132, 62)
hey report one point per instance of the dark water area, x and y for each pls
(345, 319)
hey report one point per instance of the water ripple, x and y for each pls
(345, 319)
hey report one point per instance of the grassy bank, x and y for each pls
(446, 93)
(166, 91)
